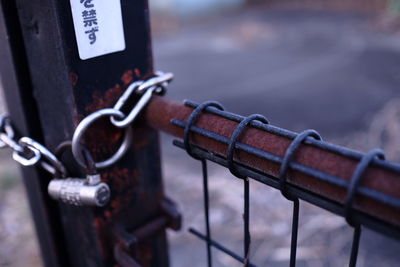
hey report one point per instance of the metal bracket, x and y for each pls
(127, 242)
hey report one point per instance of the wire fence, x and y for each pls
(204, 137)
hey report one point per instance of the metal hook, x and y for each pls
(86, 156)
(89, 161)
(352, 190)
(234, 138)
(192, 119)
(290, 151)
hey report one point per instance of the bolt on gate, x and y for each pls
(94, 107)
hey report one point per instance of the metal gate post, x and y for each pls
(14, 76)
(49, 90)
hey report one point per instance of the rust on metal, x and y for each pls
(161, 111)
(131, 246)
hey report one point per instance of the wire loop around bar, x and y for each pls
(192, 119)
(289, 154)
(352, 190)
(234, 138)
(231, 166)
(356, 179)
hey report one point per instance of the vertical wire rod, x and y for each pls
(246, 219)
(206, 210)
(295, 230)
(354, 246)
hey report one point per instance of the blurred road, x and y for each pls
(327, 71)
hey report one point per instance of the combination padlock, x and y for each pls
(80, 192)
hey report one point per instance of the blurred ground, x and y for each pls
(335, 72)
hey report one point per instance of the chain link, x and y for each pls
(7, 135)
(27, 151)
(85, 124)
(155, 85)
(145, 89)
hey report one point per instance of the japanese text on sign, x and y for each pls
(90, 20)
(98, 27)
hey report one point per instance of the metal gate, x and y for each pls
(55, 97)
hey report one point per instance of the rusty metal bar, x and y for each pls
(382, 178)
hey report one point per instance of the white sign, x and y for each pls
(98, 27)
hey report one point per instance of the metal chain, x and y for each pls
(27, 151)
(155, 85)
(145, 89)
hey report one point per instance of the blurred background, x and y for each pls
(333, 66)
